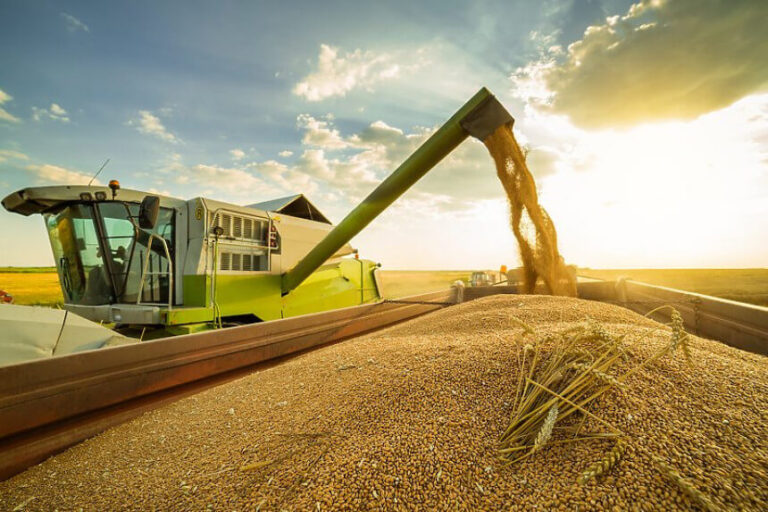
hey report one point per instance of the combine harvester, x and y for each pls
(276, 270)
(143, 261)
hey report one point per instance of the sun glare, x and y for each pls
(672, 194)
(666, 194)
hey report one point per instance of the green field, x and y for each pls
(40, 285)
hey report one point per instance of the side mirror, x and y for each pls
(148, 212)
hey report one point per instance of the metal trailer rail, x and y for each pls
(740, 325)
(48, 405)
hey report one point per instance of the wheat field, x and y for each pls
(40, 285)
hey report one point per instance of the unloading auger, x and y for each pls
(479, 117)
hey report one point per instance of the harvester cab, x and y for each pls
(136, 259)
(143, 260)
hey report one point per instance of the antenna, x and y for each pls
(99, 172)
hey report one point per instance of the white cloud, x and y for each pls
(57, 110)
(237, 154)
(288, 179)
(53, 174)
(285, 153)
(163, 192)
(54, 112)
(682, 168)
(543, 161)
(336, 74)
(235, 181)
(314, 163)
(347, 167)
(342, 169)
(174, 165)
(74, 24)
(4, 114)
(150, 124)
(320, 133)
(351, 166)
(337, 170)
(664, 59)
(10, 154)
(612, 173)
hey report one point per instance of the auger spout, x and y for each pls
(479, 117)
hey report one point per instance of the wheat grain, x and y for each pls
(402, 429)
(599, 332)
(536, 237)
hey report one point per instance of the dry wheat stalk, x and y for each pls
(580, 353)
(598, 331)
(546, 429)
(605, 464)
(602, 376)
(565, 375)
(687, 487)
(527, 328)
(679, 336)
(678, 330)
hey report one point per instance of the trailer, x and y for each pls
(278, 273)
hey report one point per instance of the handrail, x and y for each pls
(146, 264)
(214, 215)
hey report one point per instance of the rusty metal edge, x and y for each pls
(743, 326)
(21, 377)
(740, 325)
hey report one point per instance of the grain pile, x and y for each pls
(533, 228)
(410, 418)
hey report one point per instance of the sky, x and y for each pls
(646, 123)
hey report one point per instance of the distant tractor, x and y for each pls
(482, 279)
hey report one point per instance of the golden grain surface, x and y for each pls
(409, 419)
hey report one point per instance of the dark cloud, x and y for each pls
(668, 59)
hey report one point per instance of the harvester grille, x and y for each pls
(237, 227)
(247, 228)
(225, 261)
